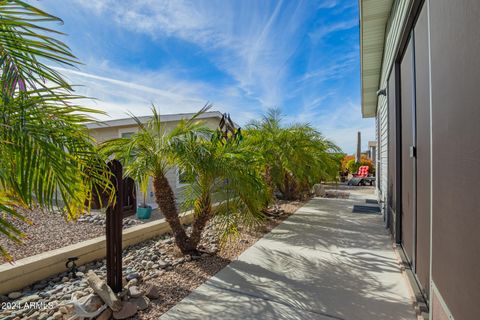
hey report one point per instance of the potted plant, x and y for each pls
(144, 211)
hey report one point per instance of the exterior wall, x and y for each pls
(107, 133)
(383, 147)
(447, 136)
(394, 31)
(391, 161)
(455, 77)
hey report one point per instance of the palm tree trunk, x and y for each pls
(290, 187)
(201, 218)
(166, 202)
(269, 182)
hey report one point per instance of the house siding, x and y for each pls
(444, 119)
(394, 30)
(455, 77)
(383, 150)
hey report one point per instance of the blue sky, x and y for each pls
(244, 56)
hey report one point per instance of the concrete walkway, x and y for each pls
(324, 262)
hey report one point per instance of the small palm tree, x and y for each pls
(223, 182)
(221, 170)
(149, 153)
(294, 157)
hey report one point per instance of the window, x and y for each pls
(126, 134)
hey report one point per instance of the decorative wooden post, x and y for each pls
(114, 230)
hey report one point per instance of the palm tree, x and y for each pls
(25, 45)
(220, 170)
(265, 138)
(294, 156)
(46, 156)
(149, 153)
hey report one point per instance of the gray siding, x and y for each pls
(395, 27)
(383, 148)
(453, 80)
(394, 30)
(455, 76)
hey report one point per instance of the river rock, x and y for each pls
(168, 241)
(134, 292)
(27, 299)
(105, 315)
(63, 309)
(128, 310)
(34, 315)
(152, 292)
(42, 316)
(132, 282)
(40, 286)
(142, 303)
(133, 275)
(14, 295)
(162, 263)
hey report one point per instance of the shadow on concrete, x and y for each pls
(324, 262)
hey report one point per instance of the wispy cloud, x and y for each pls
(118, 98)
(250, 40)
(337, 68)
(268, 53)
(327, 29)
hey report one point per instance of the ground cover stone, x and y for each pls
(164, 287)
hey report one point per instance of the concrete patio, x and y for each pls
(330, 260)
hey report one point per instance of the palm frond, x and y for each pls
(24, 44)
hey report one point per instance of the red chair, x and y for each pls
(362, 172)
(361, 178)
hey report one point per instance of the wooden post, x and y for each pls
(114, 230)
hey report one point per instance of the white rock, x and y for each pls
(15, 295)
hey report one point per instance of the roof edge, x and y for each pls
(164, 118)
(374, 16)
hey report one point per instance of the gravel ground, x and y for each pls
(156, 262)
(49, 231)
